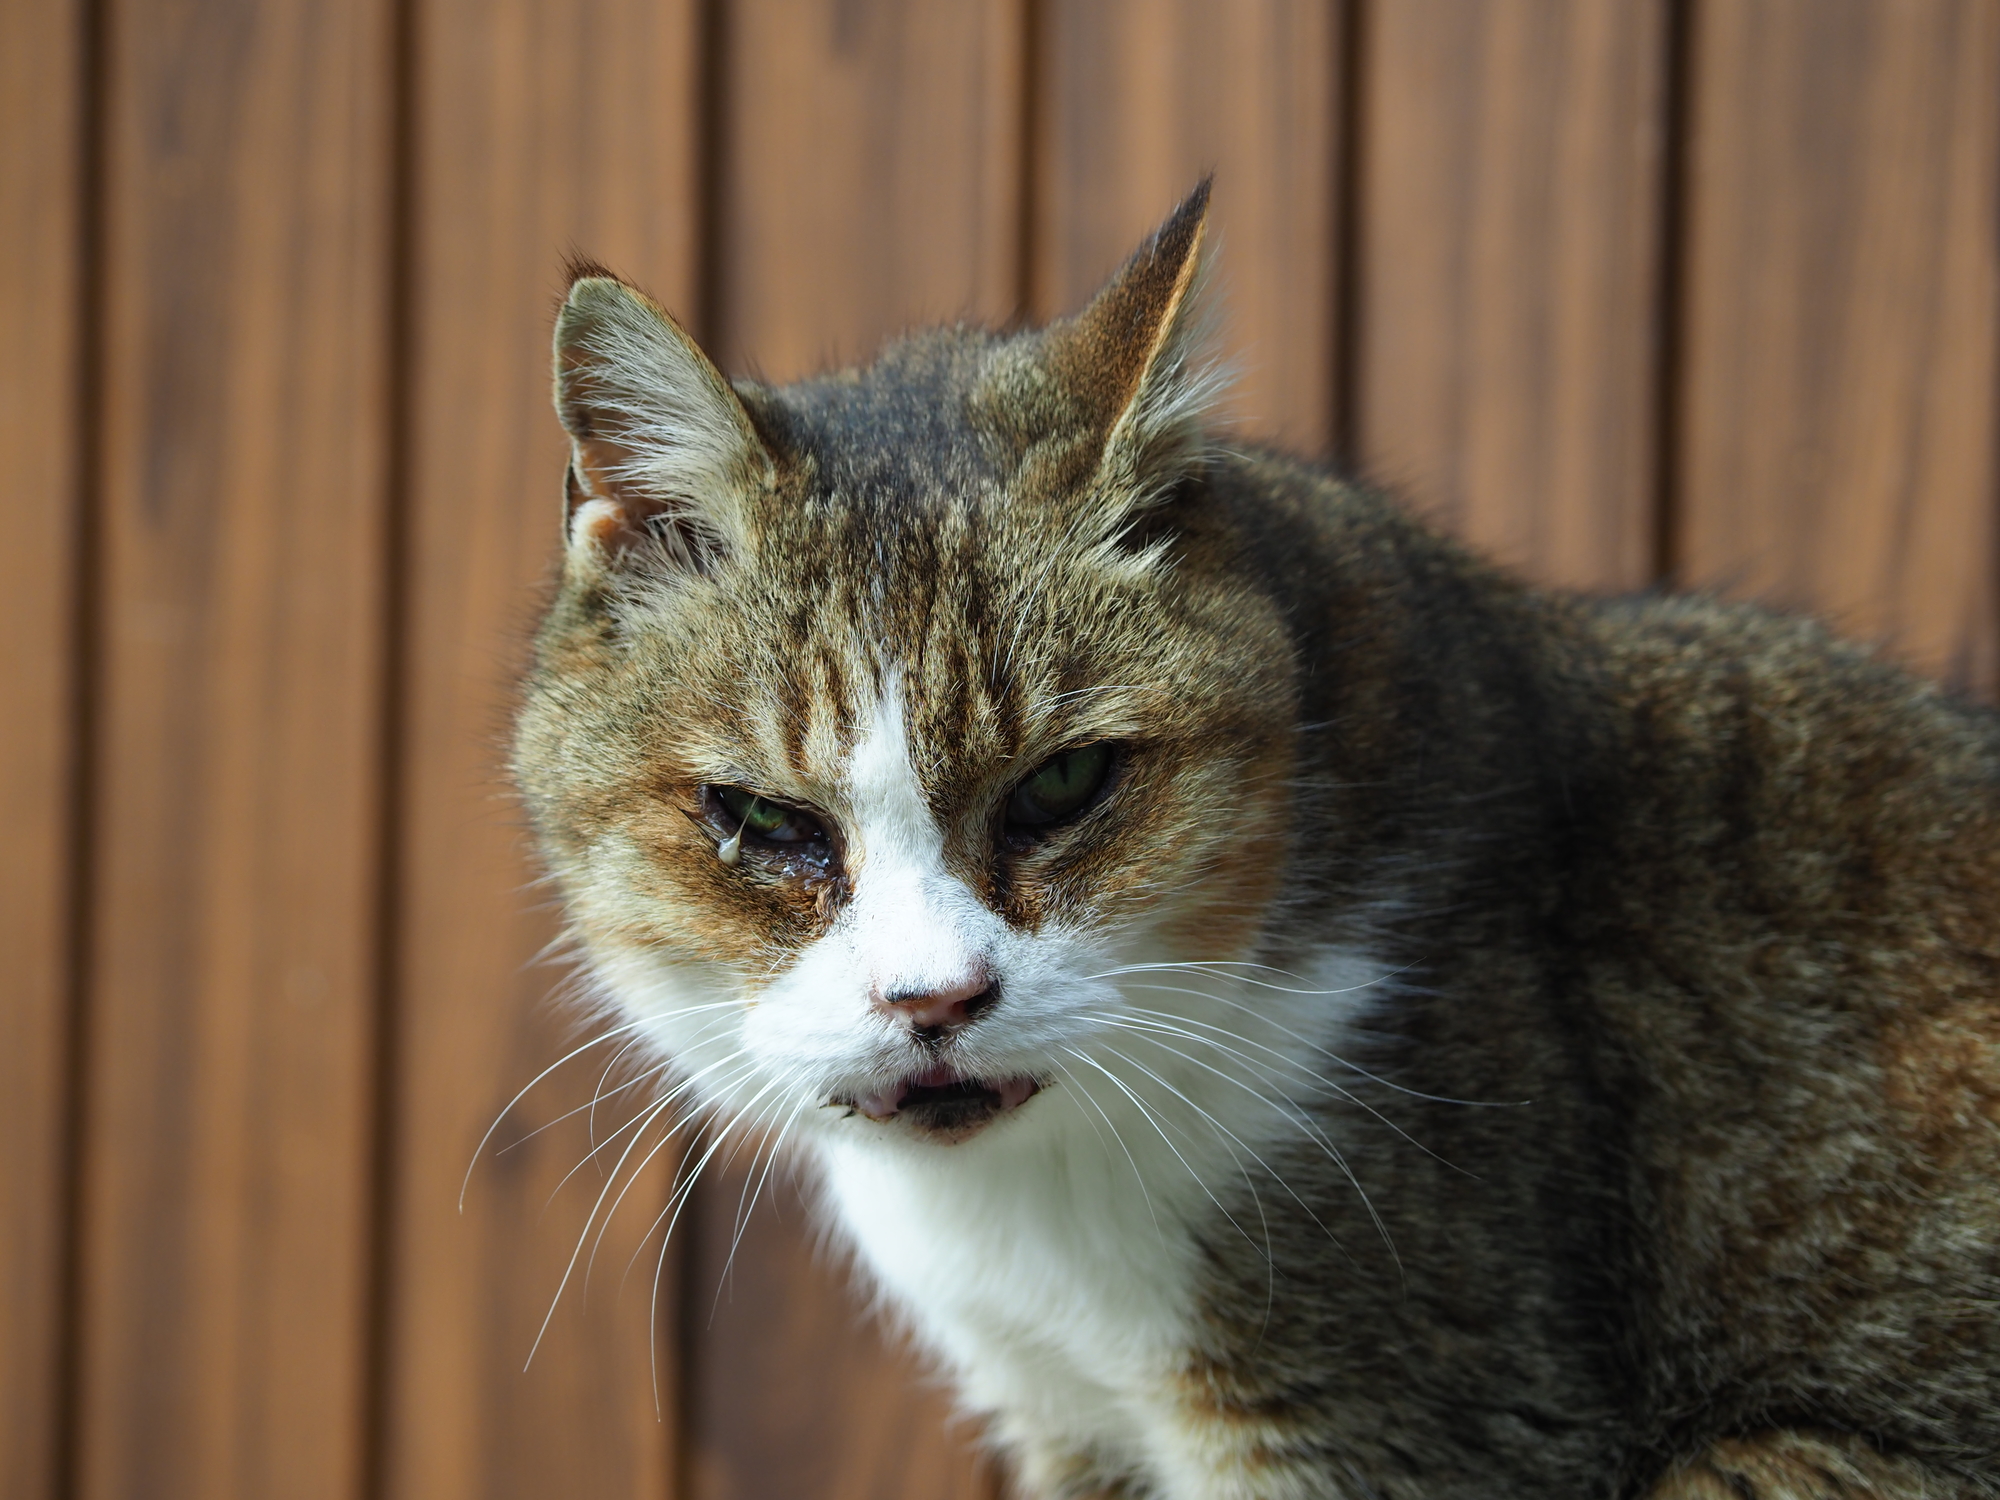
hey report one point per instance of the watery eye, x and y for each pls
(760, 818)
(1060, 788)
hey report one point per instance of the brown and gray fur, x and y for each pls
(1679, 1121)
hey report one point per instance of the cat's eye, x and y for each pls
(765, 820)
(1061, 787)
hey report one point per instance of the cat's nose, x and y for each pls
(933, 1012)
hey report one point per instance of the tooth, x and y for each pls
(881, 1106)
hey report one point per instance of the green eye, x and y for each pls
(759, 818)
(1061, 788)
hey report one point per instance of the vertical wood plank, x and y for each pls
(1137, 100)
(41, 214)
(1508, 288)
(542, 127)
(1838, 385)
(225, 1233)
(870, 176)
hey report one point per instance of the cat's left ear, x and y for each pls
(1134, 364)
(662, 452)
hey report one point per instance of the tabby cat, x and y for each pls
(1279, 1007)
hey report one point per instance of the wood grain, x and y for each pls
(869, 163)
(232, 964)
(797, 1392)
(1137, 99)
(1506, 357)
(42, 186)
(1838, 383)
(541, 128)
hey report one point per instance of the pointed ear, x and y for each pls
(1133, 364)
(662, 452)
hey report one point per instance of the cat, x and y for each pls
(1276, 1005)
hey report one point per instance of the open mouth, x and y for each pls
(943, 1101)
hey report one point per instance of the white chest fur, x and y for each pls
(1050, 1263)
(1040, 1278)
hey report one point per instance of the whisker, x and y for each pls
(1319, 1047)
(1224, 1130)
(1139, 1105)
(591, 1103)
(645, 1116)
(1151, 1029)
(666, 1138)
(745, 1209)
(1219, 969)
(629, 1181)
(590, 1129)
(1311, 1131)
(678, 1198)
(1137, 1012)
(570, 1267)
(507, 1108)
(1137, 1176)
(642, 1121)
(1224, 1133)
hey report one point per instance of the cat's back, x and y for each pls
(1751, 767)
(1795, 927)
(1761, 869)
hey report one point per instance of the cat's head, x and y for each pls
(879, 718)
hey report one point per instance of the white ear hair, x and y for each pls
(1138, 370)
(1163, 429)
(663, 450)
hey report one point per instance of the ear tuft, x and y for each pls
(662, 452)
(582, 268)
(1135, 366)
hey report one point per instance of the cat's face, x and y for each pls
(880, 720)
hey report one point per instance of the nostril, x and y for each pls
(933, 1013)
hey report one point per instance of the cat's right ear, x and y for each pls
(1134, 375)
(662, 452)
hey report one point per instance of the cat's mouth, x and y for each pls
(941, 1101)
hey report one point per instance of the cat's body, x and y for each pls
(1450, 1040)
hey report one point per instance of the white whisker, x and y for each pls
(508, 1107)
(645, 1116)
(1137, 1175)
(1139, 1015)
(1296, 1118)
(1147, 1114)
(570, 1267)
(590, 1104)
(1319, 1047)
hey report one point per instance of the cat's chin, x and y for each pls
(944, 1105)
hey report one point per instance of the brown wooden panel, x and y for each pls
(543, 126)
(1838, 388)
(233, 960)
(798, 1393)
(41, 187)
(1508, 287)
(1137, 99)
(870, 175)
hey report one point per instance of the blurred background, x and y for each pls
(1627, 291)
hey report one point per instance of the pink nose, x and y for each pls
(945, 1008)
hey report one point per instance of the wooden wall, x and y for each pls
(1626, 290)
